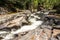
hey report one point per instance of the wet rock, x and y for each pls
(45, 34)
(56, 32)
(58, 36)
(52, 38)
(37, 34)
(56, 27)
(46, 26)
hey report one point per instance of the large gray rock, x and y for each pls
(3, 10)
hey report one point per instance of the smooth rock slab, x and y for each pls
(37, 34)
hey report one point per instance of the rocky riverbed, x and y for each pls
(21, 26)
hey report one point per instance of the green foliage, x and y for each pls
(48, 4)
(35, 3)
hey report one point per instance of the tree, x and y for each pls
(32, 4)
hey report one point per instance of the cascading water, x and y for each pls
(34, 24)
